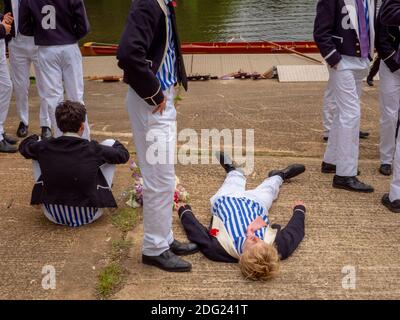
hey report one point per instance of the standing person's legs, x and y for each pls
(44, 116)
(234, 184)
(5, 88)
(330, 155)
(49, 64)
(329, 109)
(266, 193)
(20, 69)
(107, 169)
(159, 178)
(395, 185)
(390, 107)
(73, 78)
(347, 121)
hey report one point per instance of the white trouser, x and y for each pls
(390, 107)
(5, 88)
(343, 145)
(58, 64)
(158, 176)
(328, 109)
(235, 186)
(108, 171)
(24, 52)
(395, 186)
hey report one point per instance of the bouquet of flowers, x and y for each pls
(136, 194)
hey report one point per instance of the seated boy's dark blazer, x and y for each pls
(71, 172)
(287, 240)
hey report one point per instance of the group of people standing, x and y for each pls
(73, 176)
(44, 34)
(347, 33)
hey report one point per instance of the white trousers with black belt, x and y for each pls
(343, 145)
(24, 53)
(155, 141)
(390, 108)
(62, 64)
(5, 87)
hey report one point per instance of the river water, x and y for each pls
(215, 20)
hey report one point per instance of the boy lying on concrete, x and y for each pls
(240, 230)
(73, 176)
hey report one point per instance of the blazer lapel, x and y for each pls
(352, 11)
(15, 9)
(372, 16)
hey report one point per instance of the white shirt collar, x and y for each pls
(72, 134)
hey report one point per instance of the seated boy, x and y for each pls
(73, 177)
(240, 230)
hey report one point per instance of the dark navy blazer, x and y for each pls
(53, 22)
(390, 12)
(387, 44)
(334, 30)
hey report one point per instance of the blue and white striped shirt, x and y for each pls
(167, 75)
(237, 214)
(71, 216)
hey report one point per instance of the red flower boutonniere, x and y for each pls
(174, 3)
(214, 232)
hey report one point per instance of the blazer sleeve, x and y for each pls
(390, 12)
(143, 19)
(3, 33)
(26, 23)
(82, 26)
(384, 46)
(197, 233)
(29, 148)
(324, 27)
(288, 239)
(116, 154)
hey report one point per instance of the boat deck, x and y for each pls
(213, 64)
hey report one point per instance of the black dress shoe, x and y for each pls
(168, 261)
(385, 169)
(5, 147)
(225, 161)
(351, 184)
(9, 139)
(328, 168)
(393, 206)
(370, 82)
(22, 131)
(364, 135)
(183, 249)
(326, 139)
(290, 172)
(331, 168)
(46, 133)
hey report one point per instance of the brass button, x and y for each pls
(358, 51)
(357, 44)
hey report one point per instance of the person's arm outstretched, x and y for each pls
(116, 154)
(288, 239)
(29, 147)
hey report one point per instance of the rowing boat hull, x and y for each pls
(305, 47)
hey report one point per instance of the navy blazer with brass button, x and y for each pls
(336, 29)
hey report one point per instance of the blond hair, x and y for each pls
(260, 262)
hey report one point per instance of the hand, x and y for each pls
(299, 203)
(180, 205)
(7, 27)
(161, 107)
(254, 226)
(8, 18)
